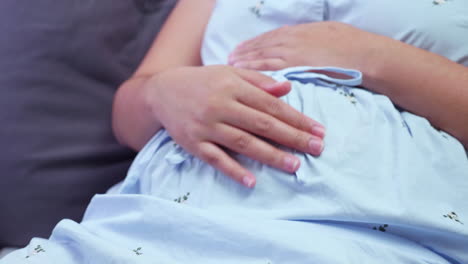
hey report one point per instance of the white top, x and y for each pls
(440, 26)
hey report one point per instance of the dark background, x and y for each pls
(61, 62)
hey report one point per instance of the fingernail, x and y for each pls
(318, 131)
(248, 181)
(315, 146)
(291, 163)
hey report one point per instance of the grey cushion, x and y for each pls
(61, 62)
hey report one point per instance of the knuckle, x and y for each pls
(261, 53)
(188, 131)
(206, 112)
(264, 125)
(242, 142)
(301, 122)
(282, 63)
(233, 170)
(269, 64)
(264, 64)
(211, 158)
(274, 107)
(274, 158)
(212, 105)
(224, 81)
(300, 140)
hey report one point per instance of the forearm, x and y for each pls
(421, 82)
(133, 121)
(178, 44)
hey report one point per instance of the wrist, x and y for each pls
(148, 97)
(133, 122)
(373, 61)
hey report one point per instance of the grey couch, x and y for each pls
(61, 62)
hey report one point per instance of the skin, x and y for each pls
(389, 67)
(206, 109)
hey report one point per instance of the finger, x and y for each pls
(278, 89)
(275, 107)
(264, 82)
(268, 39)
(273, 64)
(246, 144)
(261, 124)
(270, 52)
(216, 157)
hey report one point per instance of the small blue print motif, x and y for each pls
(182, 199)
(439, 2)
(257, 8)
(37, 250)
(453, 216)
(382, 228)
(138, 251)
(348, 95)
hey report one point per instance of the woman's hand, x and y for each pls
(313, 44)
(206, 109)
(390, 67)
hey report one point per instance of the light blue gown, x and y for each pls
(388, 188)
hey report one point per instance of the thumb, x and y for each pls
(264, 82)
